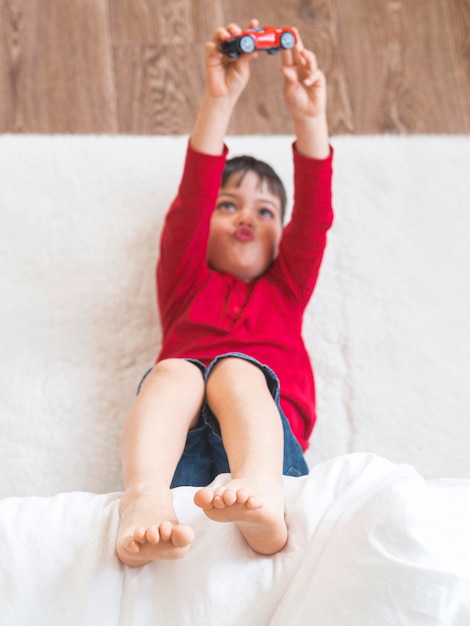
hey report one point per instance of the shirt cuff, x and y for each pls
(309, 161)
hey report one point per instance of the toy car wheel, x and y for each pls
(287, 41)
(247, 44)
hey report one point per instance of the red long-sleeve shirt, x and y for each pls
(205, 313)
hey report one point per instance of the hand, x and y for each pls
(304, 84)
(227, 77)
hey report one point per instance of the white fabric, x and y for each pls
(387, 327)
(370, 543)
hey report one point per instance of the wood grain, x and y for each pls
(158, 62)
(56, 69)
(158, 89)
(151, 22)
(459, 21)
(136, 66)
(403, 66)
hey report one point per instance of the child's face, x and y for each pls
(245, 228)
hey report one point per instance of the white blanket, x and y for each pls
(371, 543)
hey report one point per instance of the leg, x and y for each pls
(252, 434)
(153, 440)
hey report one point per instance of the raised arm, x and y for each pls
(305, 95)
(304, 238)
(226, 78)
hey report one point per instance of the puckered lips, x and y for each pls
(244, 233)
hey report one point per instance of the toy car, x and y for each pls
(268, 38)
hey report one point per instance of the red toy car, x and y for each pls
(268, 38)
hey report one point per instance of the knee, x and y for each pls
(176, 370)
(236, 372)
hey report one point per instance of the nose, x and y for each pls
(244, 217)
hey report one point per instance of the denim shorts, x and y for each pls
(204, 455)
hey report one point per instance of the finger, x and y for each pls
(248, 57)
(287, 58)
(225, 32)
(233, 29)
(318, 79)
(218, 36)
(308, 60)
(253, 23)
(213, 54)
(291, 57)
(306, 64)
(300, 44)
(289, 73)
(210, 48)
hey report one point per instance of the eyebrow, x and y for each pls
(263, 199)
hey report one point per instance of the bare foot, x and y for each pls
(149, 530)
(255, 505)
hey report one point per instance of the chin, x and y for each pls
(248, 275)
(242, 272)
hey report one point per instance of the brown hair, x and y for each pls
(264, 171)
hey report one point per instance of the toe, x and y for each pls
(140, 535)
(242, 496)
(219, 502)
(166, 530)
(182, 536)
(229, 497)
(153, 535)
(252, 503)
(131, 545)
(204, 498)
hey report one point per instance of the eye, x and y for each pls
(226, 206)
(266, 213)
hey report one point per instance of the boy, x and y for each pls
(231, 297)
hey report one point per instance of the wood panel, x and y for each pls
(158, 62)
(404, 64)
(136, 66)
(459, 20)
(56, 67)
(157, 22)
(158, 91)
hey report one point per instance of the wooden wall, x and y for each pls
(135, 66)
